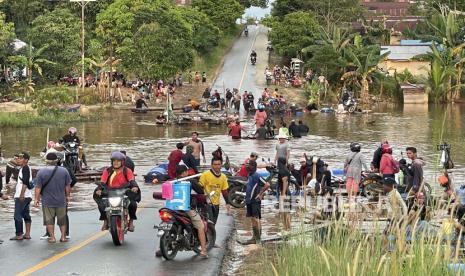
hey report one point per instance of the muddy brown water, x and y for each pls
(330, 136)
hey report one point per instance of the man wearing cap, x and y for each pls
(23, 198)
(282, 148)
(53, 187)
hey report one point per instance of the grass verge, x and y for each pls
(210, 62)
(25, 119)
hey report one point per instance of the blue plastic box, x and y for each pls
(181, 197)
(263, 173)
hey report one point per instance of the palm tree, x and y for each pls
(32, 61)
(437, 83)
(362, 67)
(446, 31)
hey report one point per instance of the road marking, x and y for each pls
(68, 251)
(247, 60)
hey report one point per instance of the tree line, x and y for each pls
(150, 39)
(322, 34)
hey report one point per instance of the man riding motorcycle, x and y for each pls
(116, 176)
(181, 172)
(253, 56)
(71, 137)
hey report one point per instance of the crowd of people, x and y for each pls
(51, 188)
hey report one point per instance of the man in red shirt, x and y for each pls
(173, 160)
(235, 130)
(114, 177)
(243, 171)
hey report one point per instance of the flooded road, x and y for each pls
(330, 136)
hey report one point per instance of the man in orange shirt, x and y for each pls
(115, 177)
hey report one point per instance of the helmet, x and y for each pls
(443, 180)
(355, 147)
(72, 130)
(386, 149)
(261, 107)
(116, 155)
(50, 144)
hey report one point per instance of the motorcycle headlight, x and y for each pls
(114, 201)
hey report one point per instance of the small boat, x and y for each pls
(139, 110)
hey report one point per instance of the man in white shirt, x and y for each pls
(23, 198)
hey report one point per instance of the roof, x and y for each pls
(414, 42)
(404, 52)
(18, 44)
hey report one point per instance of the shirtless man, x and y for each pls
(197, 144)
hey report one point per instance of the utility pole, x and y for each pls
(83, 4)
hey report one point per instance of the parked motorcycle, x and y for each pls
(349, 102)
(117, 203)
(237, 186)
(177, 233)
(72, 157)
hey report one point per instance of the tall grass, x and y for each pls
(25, 119)
(337, 250)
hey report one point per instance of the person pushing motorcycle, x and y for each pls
(181, 172)
(117, 176)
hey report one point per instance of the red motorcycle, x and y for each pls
(177, 233)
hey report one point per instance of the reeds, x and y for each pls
(339, 250)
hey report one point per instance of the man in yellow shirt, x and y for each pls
(215, 181)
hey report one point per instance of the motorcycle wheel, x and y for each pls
(371, 189)
(235, 199)
(167, 241)
(351, 109)
(117, 230)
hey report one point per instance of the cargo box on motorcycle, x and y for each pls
(180, 195)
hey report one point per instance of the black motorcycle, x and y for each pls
(117, 203)
(253, 60)
(177, 233)
(237, 186)
(72, 157)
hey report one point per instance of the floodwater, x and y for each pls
(330, 136)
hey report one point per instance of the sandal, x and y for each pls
(65, 240)
(203, 255)
(52, 240)
(131, 228)
(16, 238)
(26, 237)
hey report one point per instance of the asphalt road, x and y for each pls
(91, 252)
(237, 71)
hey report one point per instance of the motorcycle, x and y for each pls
(269, 78)
(117, 203)
(72, 157)
(253, 60)
(349, 102)
(237, 186)
(249, 105)
(215, 103)
(246, 33)
(177, 233)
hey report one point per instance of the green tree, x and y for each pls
(7, 36)
(327, 12)
(205, 33)
(59, 29)
(255, 3)
(436, 84)
(223, 13)
(127, 24)
(31, 60)
(362, 66)
(23, 12)
(296, 31)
